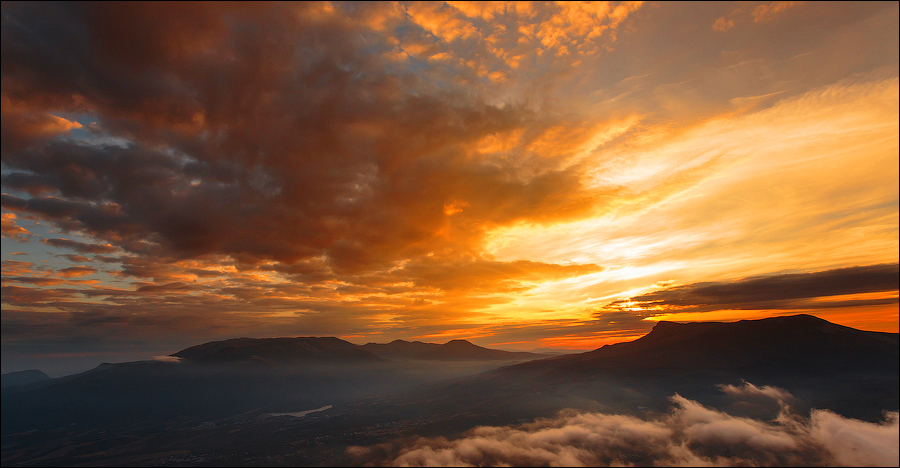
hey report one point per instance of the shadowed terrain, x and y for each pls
(306, 400)
(14, 379)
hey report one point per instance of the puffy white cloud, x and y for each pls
(857, 443)
(748, 389)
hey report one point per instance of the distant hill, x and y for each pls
(277, 350)
(454, 350)
(25, 377)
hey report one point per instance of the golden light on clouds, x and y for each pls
(526, 173)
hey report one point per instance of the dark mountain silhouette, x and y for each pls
(111, 396)
(851, 371)
(223, 408)
(223, 378)
(277, 350)
(25, 377)
(793, 345)
(454, 350)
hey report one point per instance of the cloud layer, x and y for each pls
(290, 143)
(788, 291)
(688, 435)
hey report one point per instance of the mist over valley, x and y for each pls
(325, 401)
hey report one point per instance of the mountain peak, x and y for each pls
(461, 342)
(794, 344)
(665, 324)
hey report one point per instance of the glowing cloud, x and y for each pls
(501, 171)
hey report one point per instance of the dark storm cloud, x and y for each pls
(291, 141)
(782, 291)
(79, 247)
(75, 258)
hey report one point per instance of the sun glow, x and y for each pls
(524, 172)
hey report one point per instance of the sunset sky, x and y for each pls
(523, 175)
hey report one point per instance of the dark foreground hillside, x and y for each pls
(307, 400)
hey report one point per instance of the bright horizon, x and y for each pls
(520, 175)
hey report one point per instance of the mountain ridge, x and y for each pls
(460, 350)
(850, 371)
(331, 349)
(277, 350)
(823, 365)
(797, 343)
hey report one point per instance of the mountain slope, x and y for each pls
(824, 365)
(455, 350)
(851, 372)
(793, 345)
(25, 377)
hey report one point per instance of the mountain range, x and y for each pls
(793, 345)
(330, 349)
(277, 350)
(454, 350)
(369, 394)
(828, 365)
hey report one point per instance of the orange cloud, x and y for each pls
(16, 268)
(581, 21)
(723, 24)
(9, 228)
(767, 11)
(76, 271)
(440, 21)
(484, 10)
(23, 124)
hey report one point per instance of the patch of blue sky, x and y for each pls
(91, 131)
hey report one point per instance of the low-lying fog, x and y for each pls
(689, 434)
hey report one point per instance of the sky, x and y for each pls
(521, 175)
